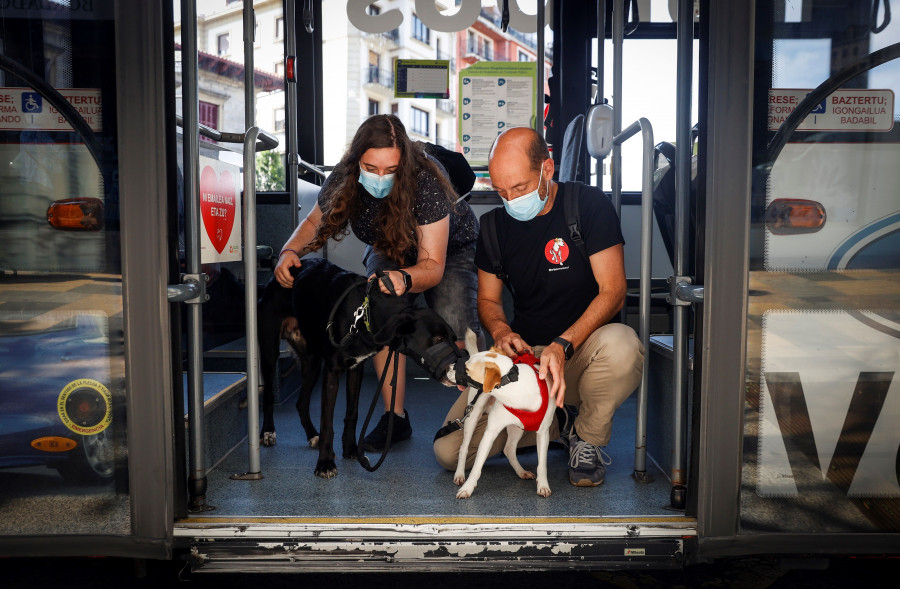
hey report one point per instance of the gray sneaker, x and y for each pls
(587, 463)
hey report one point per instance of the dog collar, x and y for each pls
(511, 376)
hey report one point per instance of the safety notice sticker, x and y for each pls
(844, 110)
(24, 108)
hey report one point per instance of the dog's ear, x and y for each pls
(491, 377)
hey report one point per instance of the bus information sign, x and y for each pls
(494, 96)
(220, 208)
(25, 109)
(844, 110)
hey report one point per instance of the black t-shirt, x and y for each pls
(431, 205)
(552, 280)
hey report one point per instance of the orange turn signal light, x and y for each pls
(77, 214)
(793, 216)
(54, 444)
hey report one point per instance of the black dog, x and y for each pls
(325, 319)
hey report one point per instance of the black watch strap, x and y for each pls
(566, 346)
(407, 280)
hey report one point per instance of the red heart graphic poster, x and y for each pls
(220, 208)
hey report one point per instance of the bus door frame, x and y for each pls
(146, 139)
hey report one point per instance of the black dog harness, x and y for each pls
(436, 359)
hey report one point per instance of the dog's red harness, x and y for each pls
(531, 420)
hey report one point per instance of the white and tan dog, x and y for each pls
(516, 401)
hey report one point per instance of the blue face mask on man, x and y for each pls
(377, 186)
(527, 206)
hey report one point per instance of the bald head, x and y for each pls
(519, 162)
(517, 143)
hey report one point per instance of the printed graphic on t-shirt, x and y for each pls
(556, 251)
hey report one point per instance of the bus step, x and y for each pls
(660, 403)
(224, 414)
(232, 357)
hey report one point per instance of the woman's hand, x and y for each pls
(287, 260)
(396, 279)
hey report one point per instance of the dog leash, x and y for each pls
(361, 457)
(457, 424)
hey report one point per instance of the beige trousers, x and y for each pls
(601, 374)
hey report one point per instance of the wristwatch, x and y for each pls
(567, 347)
(407, 280)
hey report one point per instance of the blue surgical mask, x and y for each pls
(377, 186)
(527, 206)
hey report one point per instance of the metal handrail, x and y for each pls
(265, 142)
(640, 442)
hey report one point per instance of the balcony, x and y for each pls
(378, 76)
(479, 50)
(385, 41)
(446, 57)
(446, 106)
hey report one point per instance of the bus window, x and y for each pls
(446, 121)
(62, 367)
(822, 397)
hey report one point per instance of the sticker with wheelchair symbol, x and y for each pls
(32, 102)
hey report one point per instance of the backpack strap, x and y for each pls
(492, 245)
(571, 209)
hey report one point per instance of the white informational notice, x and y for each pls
(843, 110)
(25, 109)
(220, 209)
(493, 96)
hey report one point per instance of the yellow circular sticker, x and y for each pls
(85, 406)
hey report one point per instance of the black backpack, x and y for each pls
(570, 195)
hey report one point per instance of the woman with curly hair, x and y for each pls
(397, 199)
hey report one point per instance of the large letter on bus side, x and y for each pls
(368, 23)
(464, 18)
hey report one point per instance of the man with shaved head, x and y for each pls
(565, 302)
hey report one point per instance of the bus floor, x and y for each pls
(410, 482)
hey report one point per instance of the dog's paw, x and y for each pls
(526, 475)
(326, 469)
(543, 491)
(465, 492)
(459, 478)
(350, 452)
(267, 438)
(313, 442)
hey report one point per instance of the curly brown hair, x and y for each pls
(396, 223)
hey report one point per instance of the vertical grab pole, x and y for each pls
(539, 100)
(685, 36)
(249, 252)
(598, 97)
(290, 96)
(640, 448)
(249, 69)
(618, 34)
(640, 430)
(190, 166)
(250, 306)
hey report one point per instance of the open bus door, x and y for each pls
(800, 340)
(86, 412)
